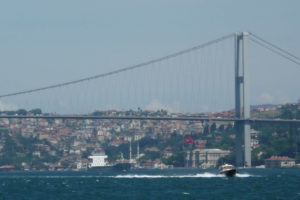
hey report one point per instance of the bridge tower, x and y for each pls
(242, 106)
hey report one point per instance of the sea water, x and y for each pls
(152, 184)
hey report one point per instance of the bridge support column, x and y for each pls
(242, 106)
(247, 143)
(239, 144)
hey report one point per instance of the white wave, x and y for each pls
(47, 177)
(199, 175)
(245, 175)
(209, 175)
(202, 175)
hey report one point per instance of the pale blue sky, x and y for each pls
(48, 42)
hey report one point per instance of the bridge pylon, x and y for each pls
(242, 106)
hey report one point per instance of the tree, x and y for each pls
(36, 111)
(206, 130)
(213, 127)
(177, 160)
(229, 159)
(221, 128)
(229, 127)
(21, 112)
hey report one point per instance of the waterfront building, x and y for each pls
(7, 168)
(279, 162)
(82, 164)
(204, 158)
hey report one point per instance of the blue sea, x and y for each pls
(152, 184)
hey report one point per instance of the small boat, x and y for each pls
(228, 170)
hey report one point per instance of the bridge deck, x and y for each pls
(185, 118)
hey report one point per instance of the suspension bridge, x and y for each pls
(205, 88)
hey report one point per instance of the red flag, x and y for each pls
(188, 139)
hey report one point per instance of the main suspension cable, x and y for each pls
(274, 46)
(122, 69)
(274, 51)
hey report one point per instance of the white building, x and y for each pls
(204, 158)
(81, 165)
(279, 162)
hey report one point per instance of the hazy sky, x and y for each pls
(48, 42)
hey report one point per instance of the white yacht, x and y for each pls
(228, 170)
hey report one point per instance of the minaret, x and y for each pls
(138, 151)
(130, 156)
(122, 157)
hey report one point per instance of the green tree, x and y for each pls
(177, 160)
(36, 111)
(21, 112)
(230, 159)
(213, 127)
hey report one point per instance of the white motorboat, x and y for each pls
(228, 170)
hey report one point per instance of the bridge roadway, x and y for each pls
(185, 118)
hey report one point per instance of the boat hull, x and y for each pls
(229, 173)
(122, 166)
(102, 168)
(116, 167)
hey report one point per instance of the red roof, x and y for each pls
(7, 167)
(279, 158)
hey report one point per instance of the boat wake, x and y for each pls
(127, 175)
(244, 175)
(202, 175)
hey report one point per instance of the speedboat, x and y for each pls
(228, 170)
